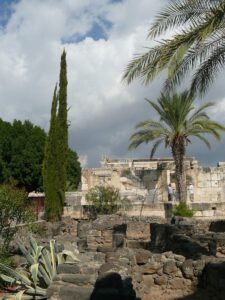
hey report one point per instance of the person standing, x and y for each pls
(170, 192)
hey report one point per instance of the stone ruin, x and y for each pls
(144, 182)
(130, 258)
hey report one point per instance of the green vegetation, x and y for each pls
(197, 45)
(56, 150)
(183, 210)
(21, 156)
(62, 133)
(104, 200)
(14, 211)
(175, 127)
(39, 272)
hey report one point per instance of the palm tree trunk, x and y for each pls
(178, 151)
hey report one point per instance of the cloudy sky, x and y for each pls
(100, 37)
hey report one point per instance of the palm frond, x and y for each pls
(199, 43)
(155, 146)
(208, 70)
(179, 13)
(199, 113)
(203, 139)
(195, 55)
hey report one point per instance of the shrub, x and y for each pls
(13, 211)
(183, 210)
(104, 200)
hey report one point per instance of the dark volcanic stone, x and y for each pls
(106, 267)
(82, 245)
(118, 240)
(68, 268)
(78, 279)
(105, 249)
(169, 267)
(217, 226)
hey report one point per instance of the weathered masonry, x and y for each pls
(150, 178)
(144, 182)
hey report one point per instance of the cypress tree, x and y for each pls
(63, 128)
(56, 150)
(50, 167)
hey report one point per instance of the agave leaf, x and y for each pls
(46, 260)
(36, 250)
(36, 291)
(60, 258)
(18, 276)
(8, 279)
(25, 252)
(53, 255)
(33, 243)
(44, 275)
(70, 254)
(9, 297)
(34, 273)
(19, 295)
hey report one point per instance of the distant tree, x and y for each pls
(27, 155)
(21, 154)
(175, 128)
(56, 150)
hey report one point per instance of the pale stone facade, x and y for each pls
(144, 182)
(138, 178)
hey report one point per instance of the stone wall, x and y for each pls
(186, 261)
(136, 258)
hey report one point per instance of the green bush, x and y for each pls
(103, 200)
(13, 211)
(183, 210)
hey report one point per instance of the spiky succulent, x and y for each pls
(41, 267)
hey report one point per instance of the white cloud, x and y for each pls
(103, 109)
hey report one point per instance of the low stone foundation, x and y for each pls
(202, 210)
(139, 258)
(129, 258)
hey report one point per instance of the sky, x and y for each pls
(100, 38)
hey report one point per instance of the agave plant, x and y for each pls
(33, 282)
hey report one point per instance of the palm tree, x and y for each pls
(178, 123)
(198, 45)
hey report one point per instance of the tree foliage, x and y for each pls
(198, 45)
(56, 150)
(21, 156)
(178, 123)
